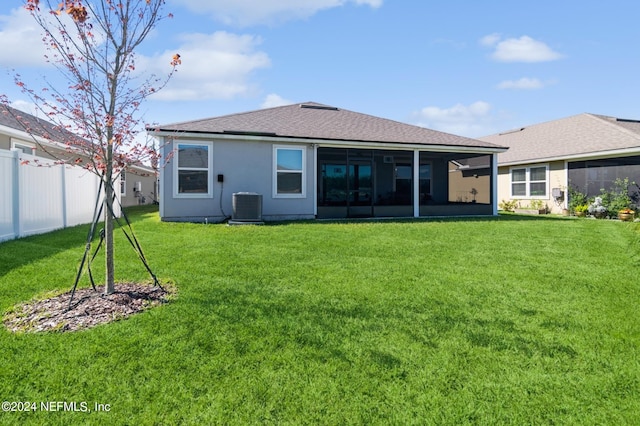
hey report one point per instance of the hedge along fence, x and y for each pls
(35, 199)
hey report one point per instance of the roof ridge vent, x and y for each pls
(627, 120)
(318, 106)
(512, 131)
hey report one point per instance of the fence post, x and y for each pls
(15, 172)
(63, 182)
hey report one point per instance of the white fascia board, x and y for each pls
(324, 143)
(410, 146)
(25, 136)
(142, 168)
(577, 157)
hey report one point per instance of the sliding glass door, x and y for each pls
(345, 184)
(360, 189)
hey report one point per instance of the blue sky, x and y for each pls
(466, 67)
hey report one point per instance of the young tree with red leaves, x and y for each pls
(92, 44)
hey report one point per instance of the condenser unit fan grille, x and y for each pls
(247, 206)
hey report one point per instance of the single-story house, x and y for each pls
(587, 152)
(34, 137)
(311, 160)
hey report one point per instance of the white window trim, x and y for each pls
(31, 145)
(177, 194)
(303, 193)
(528, 182)
(123, 183)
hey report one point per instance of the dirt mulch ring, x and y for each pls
(88, 308)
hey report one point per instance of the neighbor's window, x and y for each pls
(289, 173)
(193, 178)
(25, 147)
(123, 183)
(529, 182)
(425, 180)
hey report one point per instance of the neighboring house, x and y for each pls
(33, 136)
(587, 152)
(139, 185)
(317, 161)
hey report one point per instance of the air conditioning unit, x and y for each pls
(247, 207)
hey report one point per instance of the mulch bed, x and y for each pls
(89, 308)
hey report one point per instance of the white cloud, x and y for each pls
(490, 40)
(251, 12)
(26, 106)
(20, 40)
(214, 66)
(523, 49)
(273, 100)
(465, 120)
(524, 83)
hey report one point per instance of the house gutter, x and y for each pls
(575, 157)
(20, 134)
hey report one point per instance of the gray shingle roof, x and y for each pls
(312, 120)
(22, 121)
(579, 135)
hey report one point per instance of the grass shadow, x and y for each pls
(502, 217)
(26, 250)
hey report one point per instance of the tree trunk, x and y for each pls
(109, 284)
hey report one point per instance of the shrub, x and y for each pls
(509, 205)
(577, 198)
(618, 197)
(538, 205)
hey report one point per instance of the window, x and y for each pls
(192, 170)
(289, 172)
(24, 147)
(403, 185)
(529, 182)
(425, 181)
(123, 183)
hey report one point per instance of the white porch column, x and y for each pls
(565, 203)
(494, 183)
(315, 180)
(416, 183)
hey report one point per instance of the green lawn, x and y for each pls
(509, 320)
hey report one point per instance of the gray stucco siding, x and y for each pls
(247, 166)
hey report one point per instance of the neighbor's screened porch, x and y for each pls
(391, 183)
(592, 176)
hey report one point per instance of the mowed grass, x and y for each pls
(508, 320)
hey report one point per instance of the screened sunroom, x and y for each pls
(356, 182)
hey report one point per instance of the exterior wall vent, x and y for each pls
(247, 208)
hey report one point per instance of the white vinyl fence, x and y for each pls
(38, 199)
